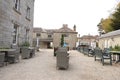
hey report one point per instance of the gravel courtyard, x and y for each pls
(43, 67)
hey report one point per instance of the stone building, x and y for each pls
(43, 37)
(16, 22)
(88, 40)
(49, 38)
(109, 39)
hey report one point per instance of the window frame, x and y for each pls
(28, 13)
(15, 34)
(17, 5)
(37, 35)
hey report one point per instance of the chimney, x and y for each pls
(65, 25)
(74, 27)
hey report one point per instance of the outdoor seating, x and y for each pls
(86, 51)
(2, 59)
(102, 55)
(62, 58)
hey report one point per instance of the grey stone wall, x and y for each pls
(9, 16)
(71, 39)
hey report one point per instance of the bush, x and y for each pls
(116, 48)
(26, 44)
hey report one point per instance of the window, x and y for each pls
(15, 34)
(17, 5)
(27, 35)
(65, 35)
(28, 13)
(49, 36)
(38, 34)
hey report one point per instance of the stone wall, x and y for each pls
(9, 16)
(71, 40)
(109, 41)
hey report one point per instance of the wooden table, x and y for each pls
(116, 53)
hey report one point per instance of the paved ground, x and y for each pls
(43, 67)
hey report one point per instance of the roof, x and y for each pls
(113, 33)
(50, 31)
(65, 29)
(89, 37)
(40, 30)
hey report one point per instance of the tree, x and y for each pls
(62, 40)
(116, 18)
(104, 25)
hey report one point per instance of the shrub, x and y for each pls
(26, 44)
(115, 48)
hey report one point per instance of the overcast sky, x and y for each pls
(85, 14)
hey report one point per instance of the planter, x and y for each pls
(32, 52)
(37, 48)
(25, 52)
(2, 58)
(55, 49)
(13, 56)
(62, 58)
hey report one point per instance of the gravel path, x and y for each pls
(43, 67)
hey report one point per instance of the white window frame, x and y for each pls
(27, 35)
(17, 5)
(15, 34)
(28, 12)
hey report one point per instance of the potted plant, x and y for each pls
(25, 51)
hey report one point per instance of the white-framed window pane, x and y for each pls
(15, 34)
(17, 4)
(28, 12)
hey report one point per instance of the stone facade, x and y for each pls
(52, 37)
(16, 22)
(109, 39)
(42, 38)
(87, 40)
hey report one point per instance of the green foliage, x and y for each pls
(111, 23)
(25, 44)
(62, 40)
(116, 18)
(105, 25)
(115, 48)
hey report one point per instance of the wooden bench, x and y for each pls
(102, 56)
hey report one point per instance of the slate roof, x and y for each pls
(51, 31)
(40, 30)
(89, 37)
(65, 29)
(113, 33)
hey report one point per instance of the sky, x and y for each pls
(85, 14)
